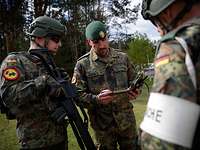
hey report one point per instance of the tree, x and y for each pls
(11, 21)
(120, 14)
(141, 50)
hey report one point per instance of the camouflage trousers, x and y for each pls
(149, 142)
(112, 138)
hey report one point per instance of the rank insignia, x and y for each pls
(11, 74)
(102, 34)
(162, 61)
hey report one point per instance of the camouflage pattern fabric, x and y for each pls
(110, 122)
(172, 78)
(23, 89)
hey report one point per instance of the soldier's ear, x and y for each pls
(40, 40)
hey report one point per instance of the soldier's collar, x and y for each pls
(95, 57)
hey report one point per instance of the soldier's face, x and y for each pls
(53, 44)
(101, 47)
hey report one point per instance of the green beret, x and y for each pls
(95, 30)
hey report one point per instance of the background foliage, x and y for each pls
(140, 49)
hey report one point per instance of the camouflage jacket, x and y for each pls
(93, 74)
(25, 95)
(171, 74)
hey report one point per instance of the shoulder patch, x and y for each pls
(11, 61)
(11, 73)
(162, 61)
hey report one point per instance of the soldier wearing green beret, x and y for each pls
(96, 75)
(171, 121)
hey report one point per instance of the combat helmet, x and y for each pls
(151, 8)
(45, 26)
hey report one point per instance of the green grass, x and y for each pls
(8, 140)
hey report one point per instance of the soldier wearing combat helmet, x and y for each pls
(171, 120)
(96, 75)
(30, 93)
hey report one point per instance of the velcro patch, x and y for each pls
(11, 62)
(11, 73)
(162, 61)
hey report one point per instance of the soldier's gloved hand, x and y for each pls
(105, 96)
(64, 74)
(59, 115)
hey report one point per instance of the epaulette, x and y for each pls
(27, 55)
(86, 55)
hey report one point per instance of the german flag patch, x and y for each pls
(162, 61)
(11, 73)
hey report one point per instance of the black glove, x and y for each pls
(64, 74)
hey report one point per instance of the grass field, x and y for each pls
(8, 140)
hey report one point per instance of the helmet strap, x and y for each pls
(38, 45)
(46, 41)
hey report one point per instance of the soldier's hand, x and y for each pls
(133, 94)
(64, 74)
(105, 96)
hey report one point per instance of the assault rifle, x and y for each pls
(136, 84)
(79, 127)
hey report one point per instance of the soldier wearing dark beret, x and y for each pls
(96, 75)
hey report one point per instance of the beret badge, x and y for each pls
(102, 34)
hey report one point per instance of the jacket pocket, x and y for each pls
(121, 76)
(96, 80)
